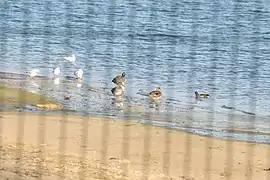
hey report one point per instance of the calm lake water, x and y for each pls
(221, 48)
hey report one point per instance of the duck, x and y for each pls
(71, 58)
(34, 73)
(119, 89)
(78, 74)
(120, 78)
(57, 71)
(202, 95)
(156, 94)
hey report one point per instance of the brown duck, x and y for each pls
(118, 90)
(120, 78)
(156, 94)
(202, 95)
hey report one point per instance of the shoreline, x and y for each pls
(128, 150)
(72, 113)
(11, 97)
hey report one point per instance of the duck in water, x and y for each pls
(155, 95)
(202, 95)
(118, 90)
(120, 78)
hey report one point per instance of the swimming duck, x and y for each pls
(79, 74)
(197, 95)
(120, 78)
(156, 94)
(119, 89)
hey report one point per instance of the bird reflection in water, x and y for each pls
(154, 104)
(56, 80)
(118, 102)
(79, 83)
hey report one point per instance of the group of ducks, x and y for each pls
(119, 89)
(119, 80)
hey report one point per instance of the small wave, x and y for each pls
(233, 108)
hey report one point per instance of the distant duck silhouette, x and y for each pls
(56, 71)
(78, 74)
(120, 78)
(155, 95)
(71, 58)
(34, 73)
(119, 89)
(202, 95)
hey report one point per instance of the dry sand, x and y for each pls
(72, 147)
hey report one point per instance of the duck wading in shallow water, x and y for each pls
(202, 95)
(155, 95)
(118, 90)
(120, 79)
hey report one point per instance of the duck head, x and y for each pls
(197, 94)
(158, 89)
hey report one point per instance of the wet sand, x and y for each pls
(73, 147)
(17, 97)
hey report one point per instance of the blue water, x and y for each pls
(221, 48)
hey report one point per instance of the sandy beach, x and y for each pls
(192, 74)
(35, 146)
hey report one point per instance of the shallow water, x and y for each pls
(216, 47)
(97, 101)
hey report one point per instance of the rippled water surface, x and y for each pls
(221, 48)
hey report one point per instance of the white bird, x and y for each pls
(79, 74)
(71, 58)
(34, 72)
(56, 71)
